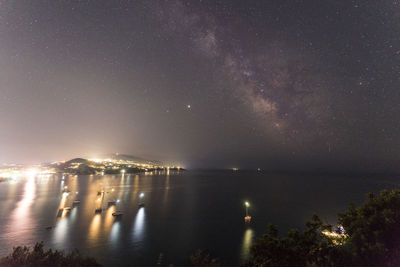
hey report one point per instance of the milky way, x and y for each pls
(299, 91)
(275, 84)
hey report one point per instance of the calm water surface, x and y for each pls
(183, 211)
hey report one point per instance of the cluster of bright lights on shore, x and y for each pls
(129, 163)
(14, 171)
(121, 164)
(20, 172)
(337, 236)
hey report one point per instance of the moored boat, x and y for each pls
(117, 213)
(99, 210)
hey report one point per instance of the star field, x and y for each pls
(274, 84)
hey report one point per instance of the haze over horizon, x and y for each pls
(211, 84)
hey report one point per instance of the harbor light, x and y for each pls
(247, 219)
(141, 195)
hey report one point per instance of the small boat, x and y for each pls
(76, 202)
(117, 213)
(99, 210)
(247, 219)
(141, 205)
(99, 193)
(112, 203)
(49, 227)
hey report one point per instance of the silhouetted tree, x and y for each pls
(38, 257)
(203, 258)
(374, 230)
(295, 249)
(372, 238)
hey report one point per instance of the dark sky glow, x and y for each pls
(279, 84)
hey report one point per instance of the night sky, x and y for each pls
(278, 84)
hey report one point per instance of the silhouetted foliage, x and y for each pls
(38, 257)
(374, 230)
(295, 249)
(372, 239)
(203, 258)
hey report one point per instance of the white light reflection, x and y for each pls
(114, 233)
(139, 226)
(73, 214)
(21, 222)
(246, 244)
(60, 232)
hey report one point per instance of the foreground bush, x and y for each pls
(372, 238)
(38, 257)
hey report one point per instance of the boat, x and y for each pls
(76, 202)
(112, 203)
(99, 210)
(247, 219)
(66, 190)
(100, 201)
(141, 205)
(49, 227)
(117, 213)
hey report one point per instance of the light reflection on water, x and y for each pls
(94, 229)
(115, 233)
(73, 215)
(21, 222)
(139, 226)
(61, 231)
(63, 201)
(246, 243)
(109, 220)
(183, 212)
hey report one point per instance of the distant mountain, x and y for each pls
(116, 164)
(76, 160)
(76, 166)
(117, 156)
